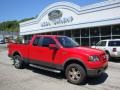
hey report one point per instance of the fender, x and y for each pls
(74, 60)
(18, 53)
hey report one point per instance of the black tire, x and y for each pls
(18, 63)
(108, 56)
(75, 74)
(26, 65)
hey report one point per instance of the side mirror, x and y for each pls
(53, 46)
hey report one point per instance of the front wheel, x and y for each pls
(75, 74)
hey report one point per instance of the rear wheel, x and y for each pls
(108, 56)
(18, 63)
(75, 74)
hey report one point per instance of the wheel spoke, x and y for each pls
(73, 70)
(70, 73)
(73, 77)
(74, 74)
(77, 77)
(78, 72)
(16, 61)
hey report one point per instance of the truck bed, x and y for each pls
(22, 48)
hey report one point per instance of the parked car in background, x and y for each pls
(2, 41)
(111, 47)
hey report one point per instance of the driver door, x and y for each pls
(40, 51)
(47, 52)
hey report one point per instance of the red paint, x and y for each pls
(59, 56)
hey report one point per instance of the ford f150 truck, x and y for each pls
(60, 53)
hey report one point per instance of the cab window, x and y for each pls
(102, 43)
(46, 41)
(37, 41)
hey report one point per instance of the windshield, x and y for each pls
(67, 42)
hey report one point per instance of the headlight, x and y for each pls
(94, 58)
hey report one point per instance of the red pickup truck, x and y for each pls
(59, 53)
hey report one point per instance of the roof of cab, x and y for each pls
(48, 35)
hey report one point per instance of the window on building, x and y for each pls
(116, 37)
(43, 33)
(54, 33)
(105, 31)
(61, 33)
(104, 38)
(85, 41)
(77, 40)
(27, 38)
(68, 33)
(48, 33)
(94, 31)
(76, 33)
(84, 32)
(30, 37)
(94, 40)
(116, 30)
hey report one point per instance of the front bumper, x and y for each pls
(96, 72)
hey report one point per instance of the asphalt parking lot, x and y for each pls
(37, 79)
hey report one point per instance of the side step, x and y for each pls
(45, 68)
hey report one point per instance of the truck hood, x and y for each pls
(86, 50)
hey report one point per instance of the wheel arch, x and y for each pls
(74, 60)
(106, 51)
(16, 53)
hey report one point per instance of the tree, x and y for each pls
(12, 26)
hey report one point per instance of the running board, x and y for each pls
(45, 68)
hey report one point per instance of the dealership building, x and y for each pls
(87, 25)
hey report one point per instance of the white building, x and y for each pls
(87, 25)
